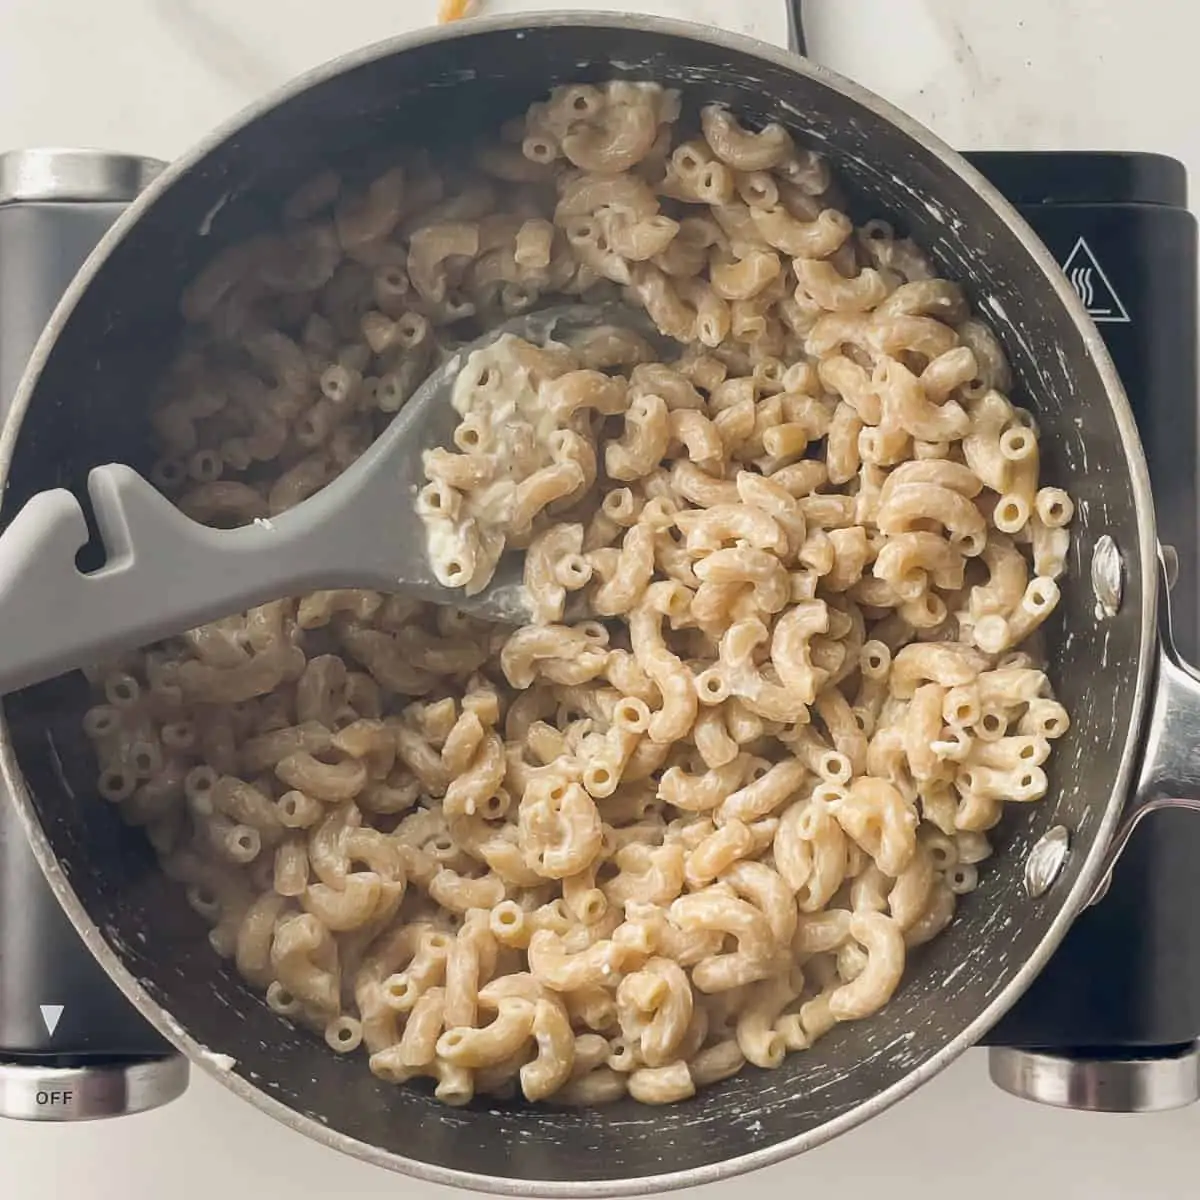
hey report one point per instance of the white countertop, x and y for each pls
(153, 75)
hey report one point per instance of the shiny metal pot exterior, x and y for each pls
(83, 401)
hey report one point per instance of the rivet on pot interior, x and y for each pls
(1046, 860)
(1108, 577)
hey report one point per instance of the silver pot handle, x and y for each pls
(1170, 772)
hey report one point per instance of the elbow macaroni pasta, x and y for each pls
(747, 755)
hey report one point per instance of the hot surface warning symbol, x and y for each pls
(1093, 287)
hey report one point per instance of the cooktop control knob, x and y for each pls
(1152, 1080)
(33, 1091)
(62, 176)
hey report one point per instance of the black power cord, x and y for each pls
(795, 15)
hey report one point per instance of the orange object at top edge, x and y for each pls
(454, 10)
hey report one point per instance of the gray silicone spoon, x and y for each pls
(165, 573)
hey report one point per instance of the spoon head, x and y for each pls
(428, 420)
(568, 324)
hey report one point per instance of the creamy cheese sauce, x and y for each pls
(506, 430)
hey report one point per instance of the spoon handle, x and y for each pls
(164, 574)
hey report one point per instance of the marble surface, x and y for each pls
(153, 75)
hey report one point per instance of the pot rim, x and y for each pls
(217, 1066)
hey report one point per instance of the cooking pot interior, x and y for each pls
(88, 408)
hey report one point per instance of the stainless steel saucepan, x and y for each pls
(1135, 709)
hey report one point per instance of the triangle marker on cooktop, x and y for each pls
(51, 1015)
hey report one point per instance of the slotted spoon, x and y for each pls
(166, 573)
